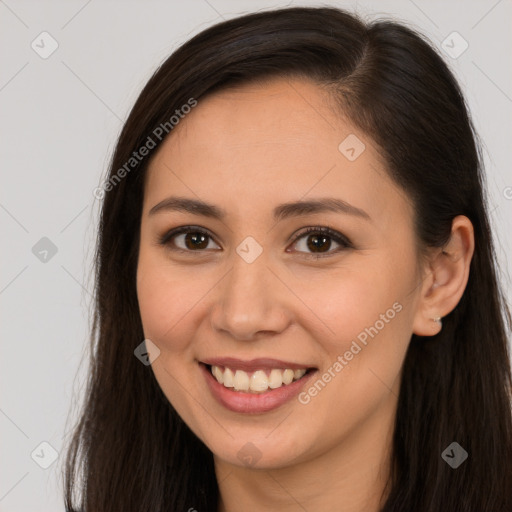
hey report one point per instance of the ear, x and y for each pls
(446, 277)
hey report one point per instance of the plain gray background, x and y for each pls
(60, 119)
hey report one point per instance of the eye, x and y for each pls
(319, 241)
(187, 239)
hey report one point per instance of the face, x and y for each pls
(265, 289)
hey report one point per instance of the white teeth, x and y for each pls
(297, 374)
(218, 374)
(287, 376)
(228, 377)
(259, 381)
(241, 381)
(276, 379)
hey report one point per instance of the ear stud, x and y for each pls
(438, 320)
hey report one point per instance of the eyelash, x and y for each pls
(340, 239)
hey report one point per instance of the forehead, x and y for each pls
(273, 141)
(277, 115)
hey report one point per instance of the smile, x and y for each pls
(259, 381)
(256, 386)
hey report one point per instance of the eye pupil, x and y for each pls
(196, 241)
(319, 242)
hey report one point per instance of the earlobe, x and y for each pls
(448, 276)
(438, 320)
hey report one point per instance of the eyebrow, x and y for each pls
(281, 212)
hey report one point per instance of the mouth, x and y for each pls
(254, 386)
(258, 381)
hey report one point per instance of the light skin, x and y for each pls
(247, 150)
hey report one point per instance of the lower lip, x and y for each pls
(238, 401)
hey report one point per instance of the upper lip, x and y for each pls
(261, 363)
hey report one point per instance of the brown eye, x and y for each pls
(319, 240)
(188, 239)
(318, 243)
(196, 241)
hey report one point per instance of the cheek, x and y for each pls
(368, 310)
(166, 299)
(166, 295)
(347, 303)
(371, 321)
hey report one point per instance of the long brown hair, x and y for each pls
(130, 449)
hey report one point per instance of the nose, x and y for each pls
(251, 301)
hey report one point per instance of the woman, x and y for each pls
(297, 300)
